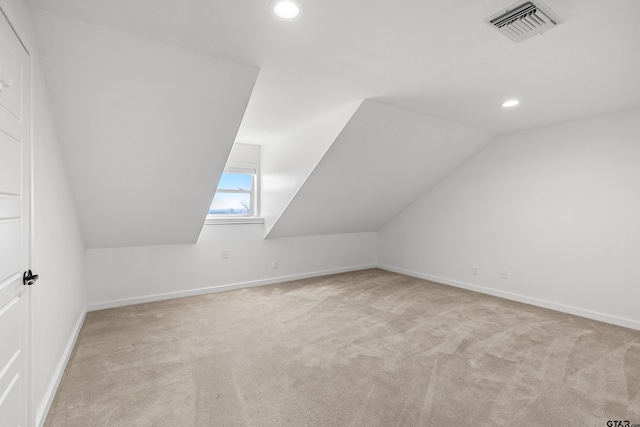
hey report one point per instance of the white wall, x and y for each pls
(138, 274)
(244, 153)
(557, 207)
(58, 299)
(287, 163)
(146, 129)
(383, 160)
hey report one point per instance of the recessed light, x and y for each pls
(510, 103)
(286, 10)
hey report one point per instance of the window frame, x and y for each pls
(254, 197)
(249, 192)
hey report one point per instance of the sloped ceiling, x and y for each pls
(136, 110)
(383, 160)
(146, 129)
(433, 57)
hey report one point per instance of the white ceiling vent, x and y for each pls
(524, 19)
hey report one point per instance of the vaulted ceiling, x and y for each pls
(148, 90)
(434, 57)
(383, 159)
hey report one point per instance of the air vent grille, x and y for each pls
(523, 20)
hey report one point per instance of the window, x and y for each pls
(236, 197)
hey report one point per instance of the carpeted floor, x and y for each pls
(368, 348)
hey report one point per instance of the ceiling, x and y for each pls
(434, 57)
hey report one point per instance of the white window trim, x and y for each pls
(222, 220)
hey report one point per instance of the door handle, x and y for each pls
(28, 278)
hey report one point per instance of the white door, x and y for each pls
(14, 226)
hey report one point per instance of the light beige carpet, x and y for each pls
(368, 348)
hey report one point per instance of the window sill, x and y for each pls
(212, 220)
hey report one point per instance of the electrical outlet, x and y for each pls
(475, 270)
(225, 254)
(504, 274)
(275, 265)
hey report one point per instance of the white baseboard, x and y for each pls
(607, 318)
(41, 415)
(221, 288)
